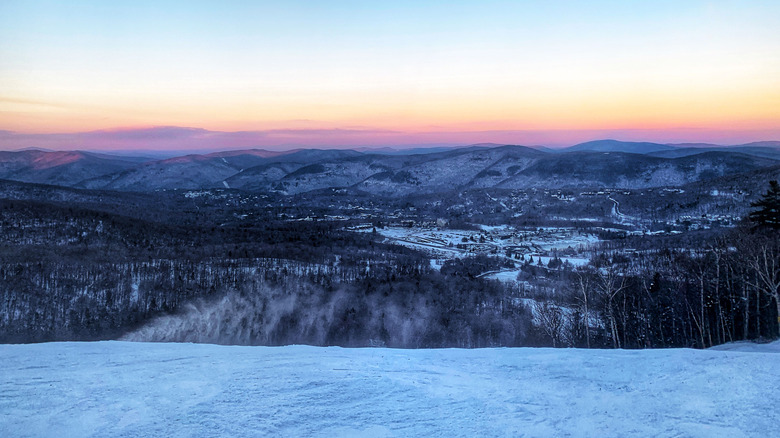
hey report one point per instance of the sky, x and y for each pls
(348, 73)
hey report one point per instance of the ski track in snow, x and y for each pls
(130, 389)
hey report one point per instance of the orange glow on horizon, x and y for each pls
(519, 67)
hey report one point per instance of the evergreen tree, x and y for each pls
(767, 213)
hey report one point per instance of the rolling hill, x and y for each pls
(595, 164)
(618, 146)
(66, 168)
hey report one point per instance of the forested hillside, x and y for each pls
(227, 267)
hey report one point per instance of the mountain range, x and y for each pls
(603, 163)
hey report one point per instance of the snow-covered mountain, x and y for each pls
(140, 389)
(66, 168)
(602, 163)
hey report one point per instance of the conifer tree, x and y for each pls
(767, 213)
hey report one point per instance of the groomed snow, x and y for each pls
(128, 389)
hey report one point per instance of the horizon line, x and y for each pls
(160, 139)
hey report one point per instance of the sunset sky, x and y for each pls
(349, 73)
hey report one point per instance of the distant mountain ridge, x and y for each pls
(633, 147)
(618, 146)
(66, 168)
(608, 163)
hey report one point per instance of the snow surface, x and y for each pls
(135, 389)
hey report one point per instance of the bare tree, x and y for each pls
(551, 320)
(610, 282)
(764, 260)
(584, 289)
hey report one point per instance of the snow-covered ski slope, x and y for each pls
(106, 389)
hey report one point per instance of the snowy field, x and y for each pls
(106, 389)
(443, 243)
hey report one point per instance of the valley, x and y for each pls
(475, 246)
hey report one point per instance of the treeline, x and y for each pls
(42, 301)
(68, 272)
(419, 310)
(725, 289)
(260, 302)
